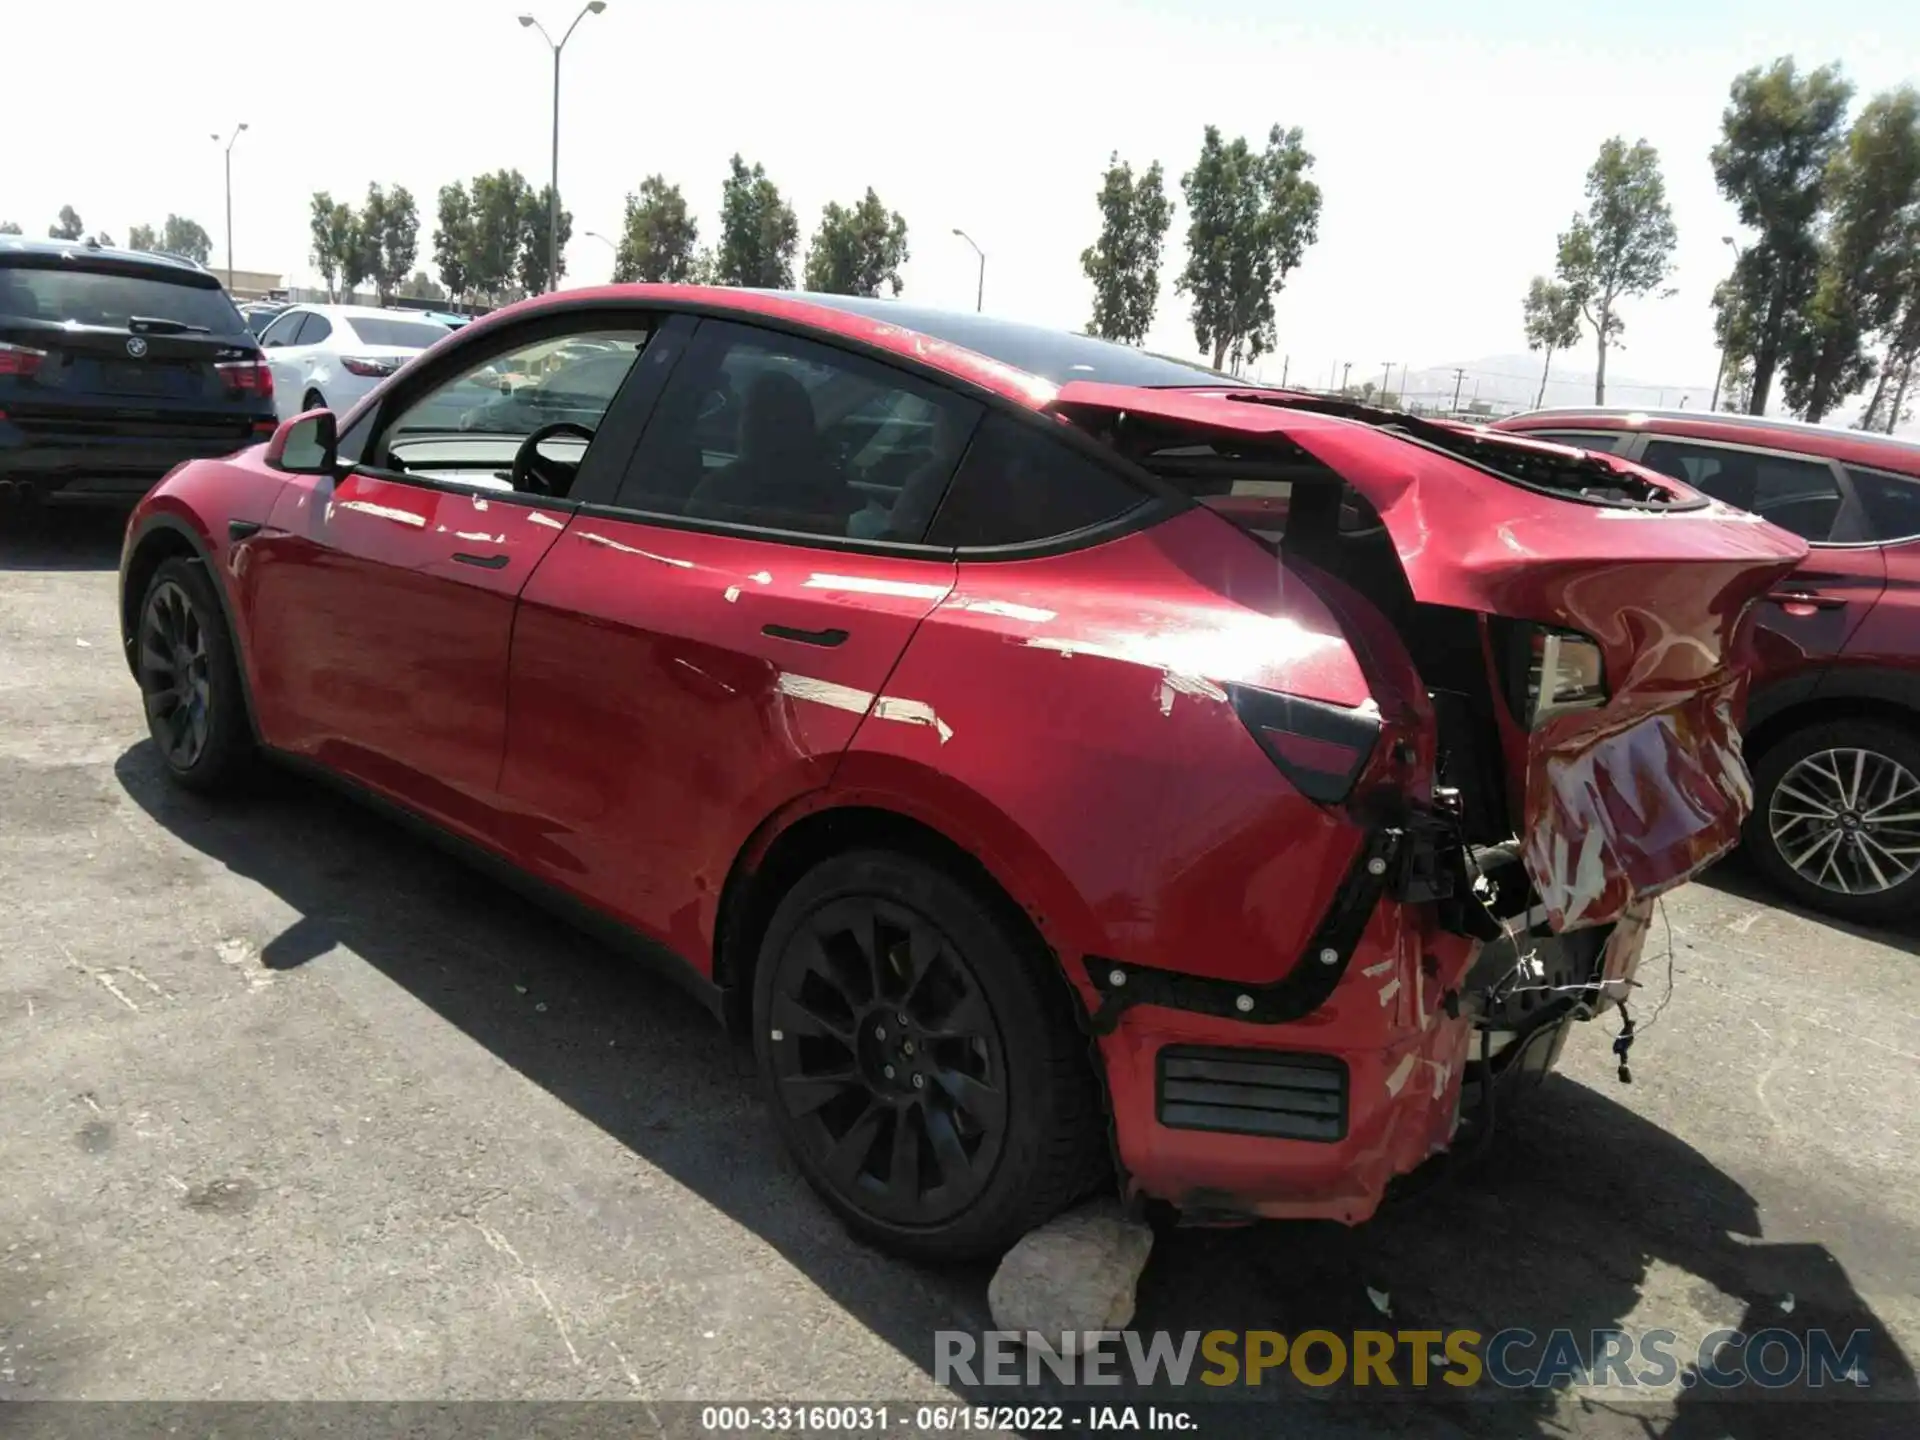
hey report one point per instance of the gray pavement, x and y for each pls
(294, 1107)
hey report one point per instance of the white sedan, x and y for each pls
(325, 357)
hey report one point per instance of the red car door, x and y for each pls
(1808, 618)
(700, 652)
(381, 602)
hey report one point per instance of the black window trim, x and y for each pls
(626, 414)
(1851, 509)
(296, 314)
(1159, 500)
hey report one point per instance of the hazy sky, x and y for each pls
(1452, 139)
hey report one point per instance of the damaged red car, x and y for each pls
(1066, 764)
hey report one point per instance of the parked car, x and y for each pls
(930, 693)
(115, 366)
(329, 356)
(261, 314)
(1833, 721)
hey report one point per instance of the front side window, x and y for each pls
(1798, 495)
(768, 430)
(475, 428)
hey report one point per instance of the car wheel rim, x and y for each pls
(175, 677)
(1848, 821)
(889, 1061)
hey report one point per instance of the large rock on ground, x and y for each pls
(1075, 1273)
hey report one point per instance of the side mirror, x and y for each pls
(308, 444)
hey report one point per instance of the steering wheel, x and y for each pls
(532, 471)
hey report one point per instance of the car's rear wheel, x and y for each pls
(313, 401)
(1836, 818)
(918, 1052)
(189, 679)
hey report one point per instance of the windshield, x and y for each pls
(105, 298)
(378, 330)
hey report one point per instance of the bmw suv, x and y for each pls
(115, 366)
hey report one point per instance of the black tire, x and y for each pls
(314, 400)
(190, 680)
(1775, 840)
(1020, 1090)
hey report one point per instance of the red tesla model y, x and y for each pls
(1063, 761)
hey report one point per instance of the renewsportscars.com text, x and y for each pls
(1510, 1359)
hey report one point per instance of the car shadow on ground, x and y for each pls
(60, 538)
(1563, 1223)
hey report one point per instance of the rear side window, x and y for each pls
(377, 330)
(317, 328)
(109, 299)
(1798, 495)
(769, 430)
(284, 330)
(1891, 502)
(1019, 485)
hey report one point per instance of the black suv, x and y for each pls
(115, 367)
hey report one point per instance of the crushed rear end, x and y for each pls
(1556, 649)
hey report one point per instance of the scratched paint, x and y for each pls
(861, 702)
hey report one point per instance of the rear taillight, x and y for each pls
(246, 377)
(1549, 671)
(1321, 749)
(21, 361)
(370, 365)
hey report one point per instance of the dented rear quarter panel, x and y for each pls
(1087, 720)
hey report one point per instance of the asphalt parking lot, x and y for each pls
(294, 1107)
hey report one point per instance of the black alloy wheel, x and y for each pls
(190, 680)
(889, 1060)
(175, 674)
(918, 1047)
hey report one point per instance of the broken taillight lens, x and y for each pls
(22, 361)
(1549, 671)
(1320, 748)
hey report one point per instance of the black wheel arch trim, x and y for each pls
(180, 529)
(1874, 682)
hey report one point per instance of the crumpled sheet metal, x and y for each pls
(1623, 813)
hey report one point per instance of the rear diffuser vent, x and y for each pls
(1252, 1092)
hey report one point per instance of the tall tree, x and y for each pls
(1622, 247)
(536, 218)
(68, 227)
(141, 237)
(453, 239)
(856, 251)
(1250, 220)
(1779, 134)
(9, 227)
(331, 228)
(657, 238)
(500, 202)
(1124, 263)
(1873, 187)
(180, 236)
(758, 231)
(1552, 318)
(388, 232)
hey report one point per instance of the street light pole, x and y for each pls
(980, 290)
(216, 140)
(1719, 374)
(592, 7)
